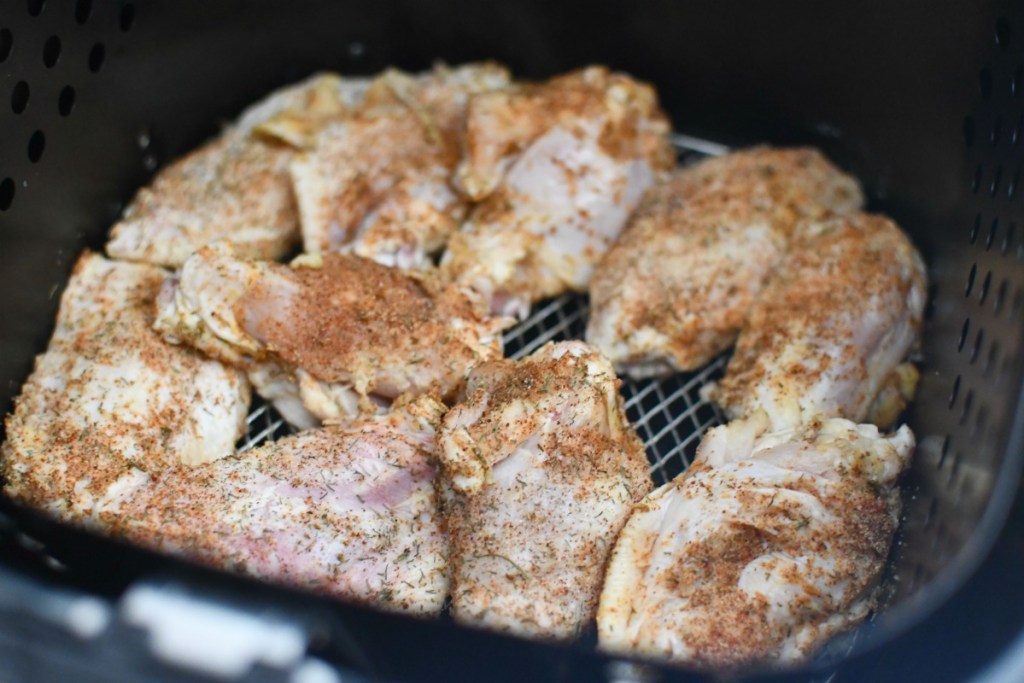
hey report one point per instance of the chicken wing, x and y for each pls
(832, 327)
(350, 512)
(557, 169)
(672, 293)
(235, 187)
(333, 337)
(377, 182)
(540, 469)
(110, 397)
(767, 546)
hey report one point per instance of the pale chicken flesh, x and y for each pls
(350, 512)
(235, 187)
(109, 397)
(768, 545)
(539, 472)
(673, 292)
(332, 337)
(832, 329)
(556, 168)
(377, 182)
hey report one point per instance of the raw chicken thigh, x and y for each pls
(832, 328)
(377, 182)
(346, 511)
(109, 399)
(673, 292)
(556, 168)
(332, 337)
(768, 545)
(540, 470)
(235, 187)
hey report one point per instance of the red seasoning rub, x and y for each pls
(540, 469)
(331, 337)
(673, 292)
(110, 401)
(830, 332)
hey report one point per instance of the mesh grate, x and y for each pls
(668, 413)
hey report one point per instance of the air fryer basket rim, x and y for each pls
(925, 119)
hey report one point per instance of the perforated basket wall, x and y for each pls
(96, 95)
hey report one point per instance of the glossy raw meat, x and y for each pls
(768, 545)
(832, 328)
(110, 398)
(540, 470)
(673, 292)
(377, 182)
(350, 512)
(557, 169)
(332, 337)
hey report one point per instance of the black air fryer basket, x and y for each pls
(922, 100)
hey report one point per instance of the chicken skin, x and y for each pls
(377, 182)
(673, 292)
(332, 337)
(540, 470)
(350, 512)
(109, 397)
(832, 328)
(768, 545)
(556, 169)
(235, 187)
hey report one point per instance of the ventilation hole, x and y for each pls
(968, 402)
(943, 451)
(96, 56)
(985, 284)
(66, 100)
(997, 305)
(19, 97)
(1018, 303)
(970, 279)
(36, 145)
(991, 236)
(976, 228)
(979, 339)
(968, 131)
(356, 49)
(35, 7)
(1018, 81)
(1007, 238)
(1003, 33)
(127, 18)
(83, 9)
(963, 334)
(6, 43)
(980, 421)
(997, 130)
(985, 82)
(992, 359)
(976, 181)
(51, 51)
(149, 162)
(6, 193)
(993, 187)
(1011, 187)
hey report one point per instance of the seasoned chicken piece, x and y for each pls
(333, 336)
(346, 511)
(768, 545)
(235, 187)
(376, 183)
(540, 470)
(557, 168)
(832, 326)
(672, 293)
(110, 397)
